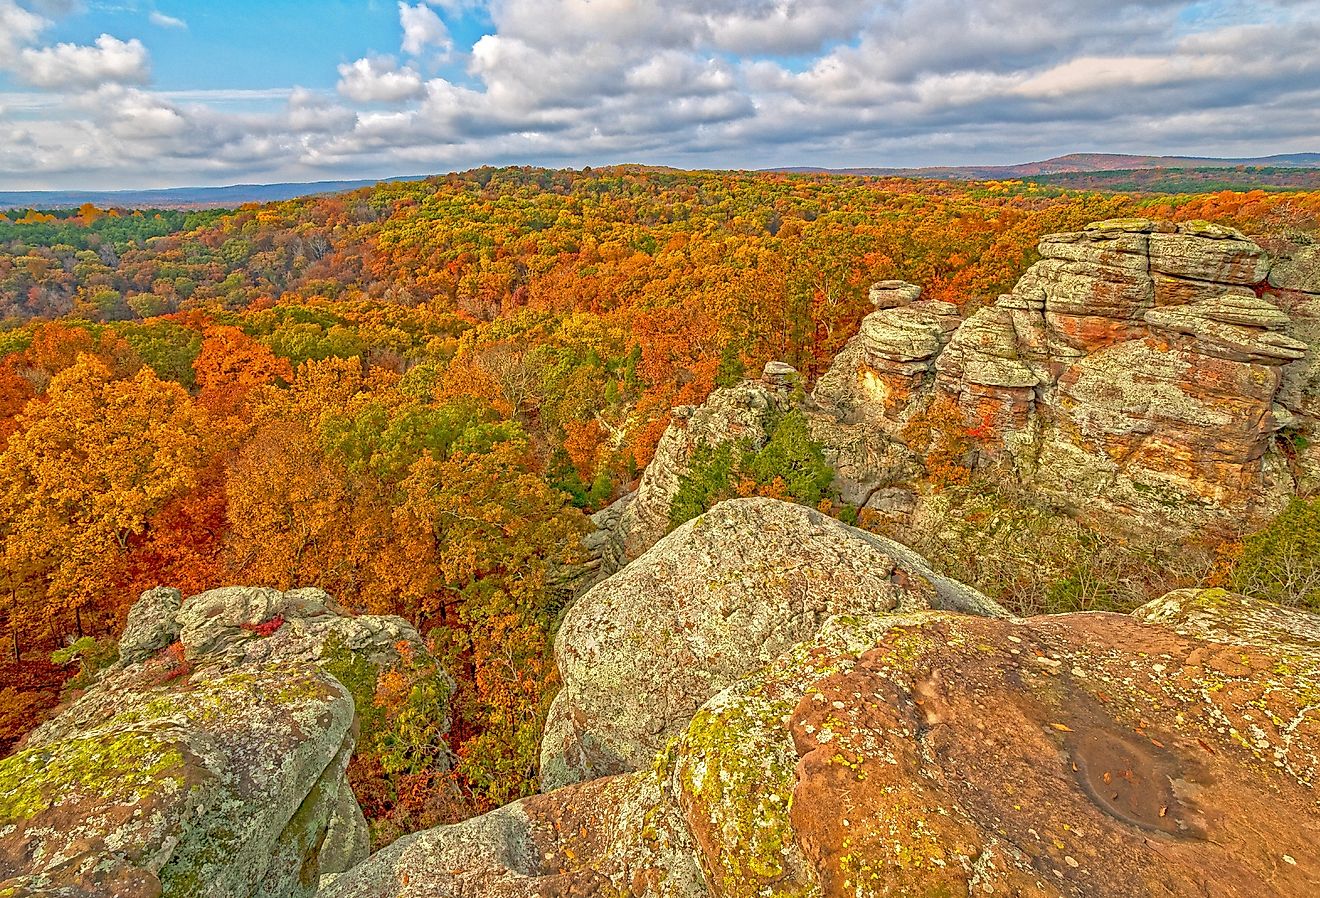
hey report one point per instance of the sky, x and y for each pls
(127, 94)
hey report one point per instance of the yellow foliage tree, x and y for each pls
(83, 476)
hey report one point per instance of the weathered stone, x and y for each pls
(1171, 291)
(1299, 272)
(1124, 250)
(739, 414)
(863, 456)
(779, 375)
(190, 789)
(620, 835)
(151, 625)
(1123, 759)
(347, 837)
(893, 294)
(1209, 253)
(722, 594)
(882, 371)
(1117, 227)
(220, 626)
(1300, 390)
(1083, 288)
(217, 769)
(1073, 336)
(984, 350)
(1171, 753)
(906, 334)
(1197, 424)
(1233, 327)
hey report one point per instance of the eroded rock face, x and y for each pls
(210, 760)
(1139, 372)
(1083, 755)
(740, 414)
(712, 601)
(621, 835)
(1172, 753)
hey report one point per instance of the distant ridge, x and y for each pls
(1072, 163)
(183, 197)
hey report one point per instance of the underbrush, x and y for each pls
(1281, 561)
(1034, 559)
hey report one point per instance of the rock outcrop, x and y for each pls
(712, 601)
(740, 414)
(1139, 372)
(209, 761)
(910, 751)
(1151, 376)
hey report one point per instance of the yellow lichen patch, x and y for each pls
(119, 769)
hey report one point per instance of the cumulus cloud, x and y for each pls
(18, 28)
(378, 79)
(75, 66)
(423, 30)
(714, 83)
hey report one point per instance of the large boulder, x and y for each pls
(621, 835)
(1156, 375)
(1168, 753)
(1187, 428)
(881, 370)
(209, 761)
(718, 597)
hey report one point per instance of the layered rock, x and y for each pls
(621, 835)
(1295, 284)
(1139, 372)
(879, 371)
(209, 760)
(926, 752)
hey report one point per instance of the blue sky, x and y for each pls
(143, 93)
(252, 44)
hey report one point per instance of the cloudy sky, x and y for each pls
(153, 93)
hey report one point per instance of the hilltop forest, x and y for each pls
(413, 396)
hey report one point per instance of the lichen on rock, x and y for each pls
(216, 769)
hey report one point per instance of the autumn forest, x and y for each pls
(414, 395)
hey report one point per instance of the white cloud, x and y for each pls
(710, 83)
(18, 28)
(74, 66)
(423, 30)
(161, 20)
(314, 114)
(378, 79)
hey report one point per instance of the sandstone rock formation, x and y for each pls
(1149, 375)
(739, 414)
(209, 761)
(1139, 372)
(713, 600)
(1173, 752)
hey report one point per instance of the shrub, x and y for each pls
(171, 663)
(1038, 560)
(1281, 562)
(791, 456)
(939, 433)
(709, 480)
(266, 628)
(789, 466)
(92, 655)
